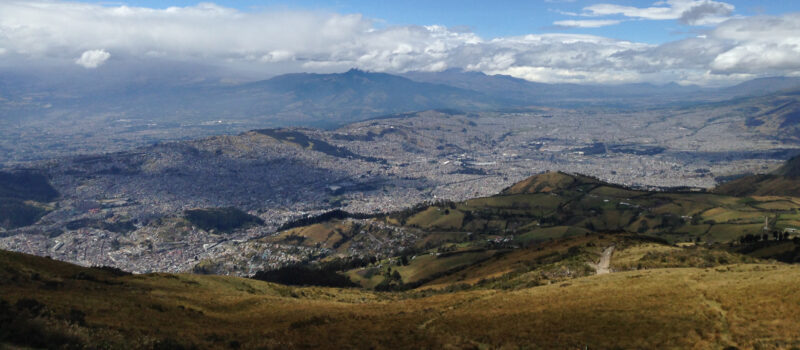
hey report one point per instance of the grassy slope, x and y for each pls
(555, 205)
(533, 225)
(741, 305)
(761, 185)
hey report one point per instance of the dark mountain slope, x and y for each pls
(762, 86)
(776, 114)
(785, 181)
(21, 193)
(336, 99)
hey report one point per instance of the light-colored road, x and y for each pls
(605, 261)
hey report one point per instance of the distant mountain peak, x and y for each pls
(356, 71)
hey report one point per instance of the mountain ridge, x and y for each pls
(784, 181)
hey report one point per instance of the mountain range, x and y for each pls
(327, 99)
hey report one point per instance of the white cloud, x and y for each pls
(92, 58)
(589, 23)
(692, 12)
(273, 42)
(759, 44)
(277, 56)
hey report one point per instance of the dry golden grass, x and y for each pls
(523, 264)
(748, 306)
(326, 234)
(631, 255)
(778, 205)
(652, 255)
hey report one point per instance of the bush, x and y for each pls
(305, 276)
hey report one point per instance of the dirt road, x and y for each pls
(605, 261)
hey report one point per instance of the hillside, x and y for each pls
(784, 181)
(549, 182)
(452, 241)
(554, 261)
(48, 304)
(791, 169)
(540, 206)
(23, 195)
(776, 114)
(762, 86)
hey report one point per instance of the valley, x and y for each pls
(126, 209)
(540, 227)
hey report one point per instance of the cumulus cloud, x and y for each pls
(759, 44)
(92, 58)
(574, 58)
(291, 41)
(588, 23)
(692, 12)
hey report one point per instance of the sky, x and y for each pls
(492, 19)
(703, 42)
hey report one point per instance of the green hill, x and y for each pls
(546, 228)
(549, 182)
(554, 205)
(442, 240)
